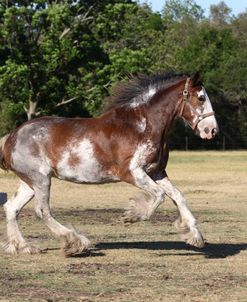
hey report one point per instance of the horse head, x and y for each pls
(196, 108)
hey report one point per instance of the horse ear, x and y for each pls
(196, 79)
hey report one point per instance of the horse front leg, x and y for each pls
(143, 206)
(186, 223)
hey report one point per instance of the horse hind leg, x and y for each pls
(74, 243)
(16, 243)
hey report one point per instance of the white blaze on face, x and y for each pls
(206, 125)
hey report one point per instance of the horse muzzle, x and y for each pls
(208, 132)
(207, 127)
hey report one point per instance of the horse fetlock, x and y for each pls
(75, 244)
(16, 247)
(181, 226)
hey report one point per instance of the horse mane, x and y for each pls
(123, 93)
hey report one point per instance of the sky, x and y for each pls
(237, 6)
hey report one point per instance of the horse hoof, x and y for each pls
(29, 249)
(196, 241)
(23, 248)
(10, 248)
(129, 218)
(75, 244)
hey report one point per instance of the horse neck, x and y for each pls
(163, 108)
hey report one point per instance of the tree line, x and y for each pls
(63, 57)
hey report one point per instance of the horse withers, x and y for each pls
(128, 142)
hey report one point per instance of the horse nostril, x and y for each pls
(214, 131)
(206, 130)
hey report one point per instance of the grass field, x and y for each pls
(145, 261)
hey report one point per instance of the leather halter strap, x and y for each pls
(186, 100)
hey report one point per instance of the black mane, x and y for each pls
(124, 92)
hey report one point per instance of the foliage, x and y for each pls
(61, 57)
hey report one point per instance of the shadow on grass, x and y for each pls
(211, 250)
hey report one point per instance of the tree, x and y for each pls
(220, 14)
(218, 55)
(178, 10)
(49, 59)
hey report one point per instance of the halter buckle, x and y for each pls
(185, 93)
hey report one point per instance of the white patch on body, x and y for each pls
(86, 169)
(41, 134)
(139, 160)
(142, 124)
(140, 155)
(143, 98)
(22, 158)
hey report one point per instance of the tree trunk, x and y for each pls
(31, 112)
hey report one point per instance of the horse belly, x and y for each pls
(81, 165)
(85, 173)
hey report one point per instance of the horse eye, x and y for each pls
(202, 98)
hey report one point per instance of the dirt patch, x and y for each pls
(92, 216)
(110, 216)
(92, 269)
(228, 280)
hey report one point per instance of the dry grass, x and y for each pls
(145, 261)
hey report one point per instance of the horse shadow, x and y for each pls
(211, 250)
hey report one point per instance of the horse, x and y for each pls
(127, 142)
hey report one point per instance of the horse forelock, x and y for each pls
(140, 89)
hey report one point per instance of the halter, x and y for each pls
(185, 99)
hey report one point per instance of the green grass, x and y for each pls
(145, 261)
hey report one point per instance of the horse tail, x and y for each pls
(2, 143)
